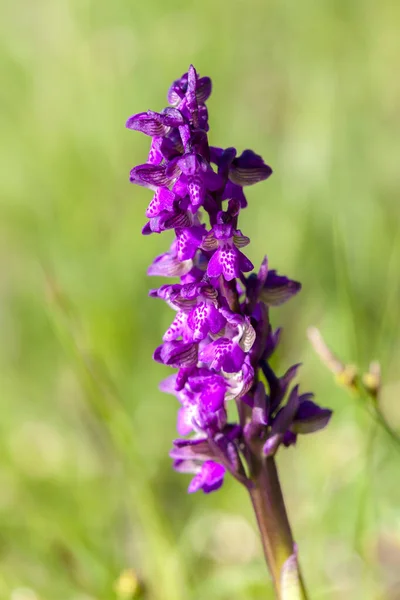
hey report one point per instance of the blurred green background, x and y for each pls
(86, 488)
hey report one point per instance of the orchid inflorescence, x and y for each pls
(221, 339)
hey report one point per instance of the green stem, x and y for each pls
(276, 535)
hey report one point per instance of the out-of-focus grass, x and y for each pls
(86, 488)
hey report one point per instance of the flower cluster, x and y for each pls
(220, 340)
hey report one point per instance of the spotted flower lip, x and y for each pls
(220, 339)
(229, 262)
(223, 354)
(205, 318)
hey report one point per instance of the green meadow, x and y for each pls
(86, 485)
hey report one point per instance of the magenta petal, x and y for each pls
(188, 241)
(211, 389)
(214, 268)
(162, 200)
(214, 476)
(215, 319)
(155, 156)
(184, 424)
(212, 398)
(182, 377)
(204, 318)
(209, 479)
(177, 328)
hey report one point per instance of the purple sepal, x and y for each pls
(150, 176)
(310, 417)
(287, 413)
(148, 123)
(248, 169)
(176, 354)
(191, 449)
(277, 289)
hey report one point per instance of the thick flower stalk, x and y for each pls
(220, 340)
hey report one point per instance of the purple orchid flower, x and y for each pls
(221, 339)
